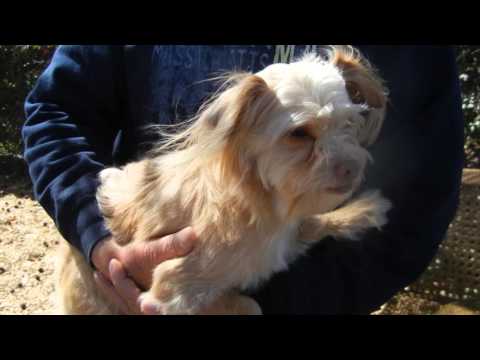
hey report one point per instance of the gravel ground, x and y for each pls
(28, 239)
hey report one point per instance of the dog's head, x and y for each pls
(297, 131)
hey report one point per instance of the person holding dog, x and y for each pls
(87, 112)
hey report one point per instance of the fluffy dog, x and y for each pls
(265, 170)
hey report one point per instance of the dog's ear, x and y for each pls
(364, 86)
(235, 116)
(239, 107)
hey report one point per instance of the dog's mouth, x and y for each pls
(342, 189)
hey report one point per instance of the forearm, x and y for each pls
(68, 140)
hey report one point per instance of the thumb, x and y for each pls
(171, 246)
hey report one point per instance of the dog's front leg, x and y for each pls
(181, 287)
(232, 303)
(366, 212)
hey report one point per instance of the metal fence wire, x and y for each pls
(454, 274)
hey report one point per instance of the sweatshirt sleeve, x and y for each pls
(418, 166)
(72, 118)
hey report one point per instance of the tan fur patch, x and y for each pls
(235, 182)
(363, 85)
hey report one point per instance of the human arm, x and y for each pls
(74, 114)
(72, 117)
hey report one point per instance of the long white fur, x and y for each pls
(248, 229)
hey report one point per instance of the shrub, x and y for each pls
(20, 65)
(469, 68)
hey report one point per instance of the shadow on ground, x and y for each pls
(14, 178)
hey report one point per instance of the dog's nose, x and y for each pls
(346, 170)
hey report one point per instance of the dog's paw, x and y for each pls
(367, 211)
(108, 173)
(149, 305)
(167, 305)
(247, 306)
(232, 304)
(371, 209)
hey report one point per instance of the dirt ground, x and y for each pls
(28, 239)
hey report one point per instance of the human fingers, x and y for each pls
(108, 290)
(171, 246)
(125, 287)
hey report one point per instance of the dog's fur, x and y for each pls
(256, 176)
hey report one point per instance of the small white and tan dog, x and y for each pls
(266, 169)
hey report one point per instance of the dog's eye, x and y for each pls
(301, 134)
(365, 113)
(354, 92)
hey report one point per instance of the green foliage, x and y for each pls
(20, 66)
(469, 68)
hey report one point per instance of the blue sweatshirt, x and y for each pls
(87, 109)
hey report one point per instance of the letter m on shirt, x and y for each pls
(284, 53)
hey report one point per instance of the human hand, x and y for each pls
(124, 272)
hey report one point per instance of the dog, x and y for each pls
(266, 169)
